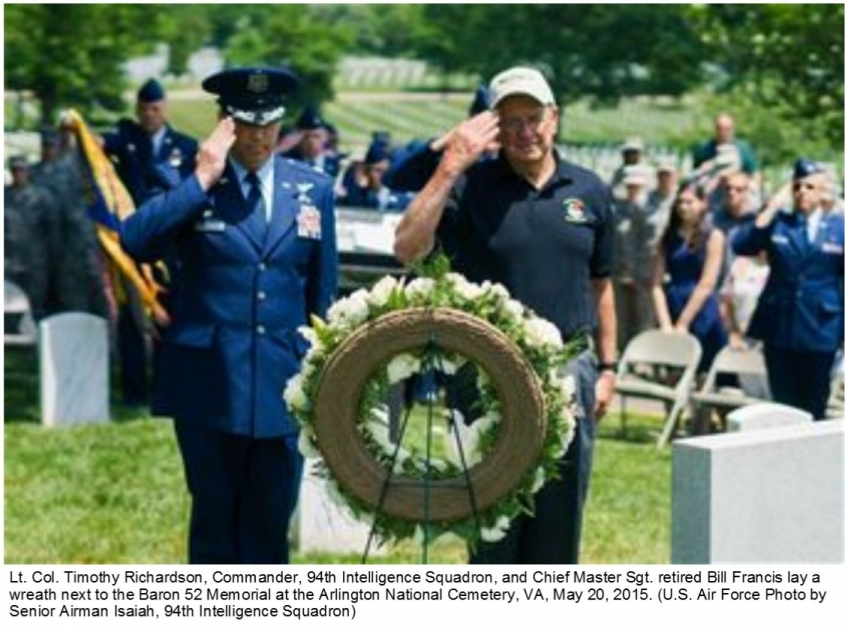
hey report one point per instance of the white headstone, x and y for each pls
(760, 496)
(322, 525)
(74, 360)
(766, 415)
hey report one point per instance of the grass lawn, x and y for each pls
(114, 493)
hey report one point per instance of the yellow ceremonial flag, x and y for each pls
(108, 203)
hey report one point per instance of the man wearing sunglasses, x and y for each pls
(799, 315)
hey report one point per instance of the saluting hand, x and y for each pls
(469, 140)
(211, 157)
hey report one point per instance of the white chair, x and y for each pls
(18, 325)
(655, 350)
(742, 363)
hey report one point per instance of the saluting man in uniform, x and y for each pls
(799, 313)
(255, 236)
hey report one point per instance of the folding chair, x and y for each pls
(739, 362)
(656, 350)
(18, 325)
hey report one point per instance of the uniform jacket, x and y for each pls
(142, 172)
(330, 164)
(233, 341)
(801, 306)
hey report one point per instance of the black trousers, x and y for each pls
(553, 534)
(800, 379)
(243, 492)
(132, 357)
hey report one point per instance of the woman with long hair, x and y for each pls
(686, 274)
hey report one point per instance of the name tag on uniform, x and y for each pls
(308, 223)
(832, 247)
(780, 240)
(210, 225)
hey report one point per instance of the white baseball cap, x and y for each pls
(519, 80)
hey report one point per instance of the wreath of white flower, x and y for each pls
(539, 341)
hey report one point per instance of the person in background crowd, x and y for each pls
(659, 202)
(690, 254)
(511, 219)
(255, 234)
(799, 314)
(631, 274)
(370, 192)
(724, 135)
(633, 154)
(412, 169)
(28, 223)
(312, 146)
(75, 271)
(149, 156)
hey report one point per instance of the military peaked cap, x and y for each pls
(252, 95)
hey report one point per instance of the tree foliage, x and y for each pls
(289, 36)
(72, 54)
(787, 60)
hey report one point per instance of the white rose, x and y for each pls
(401, 367)
(500, 291)
(513, 309)
(382, 290)
(539, 332)
(294, 395)
(497, 531)
(421, 287)
(464, 288)
(351, 310)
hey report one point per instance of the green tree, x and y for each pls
(71, 55)
(787, 58)
(603, 52)
(289, 36)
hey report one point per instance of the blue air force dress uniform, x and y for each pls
(799, 315)
(233, 342)
(145, 164)
(310, 120)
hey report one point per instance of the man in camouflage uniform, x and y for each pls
(28, 230)
(75, 273)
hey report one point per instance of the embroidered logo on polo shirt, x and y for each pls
(574, 211)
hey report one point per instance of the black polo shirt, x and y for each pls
(543, 245)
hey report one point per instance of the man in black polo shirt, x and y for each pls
(544, 228)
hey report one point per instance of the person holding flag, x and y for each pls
(149, 155)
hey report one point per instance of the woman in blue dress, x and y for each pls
(686, 274)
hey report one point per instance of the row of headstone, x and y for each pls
(770, 491)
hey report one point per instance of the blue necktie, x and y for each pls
(255, 203)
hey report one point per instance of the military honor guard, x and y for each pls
(149, 156)
(254, 234)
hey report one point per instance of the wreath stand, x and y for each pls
(428, 500)
(433, 359)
